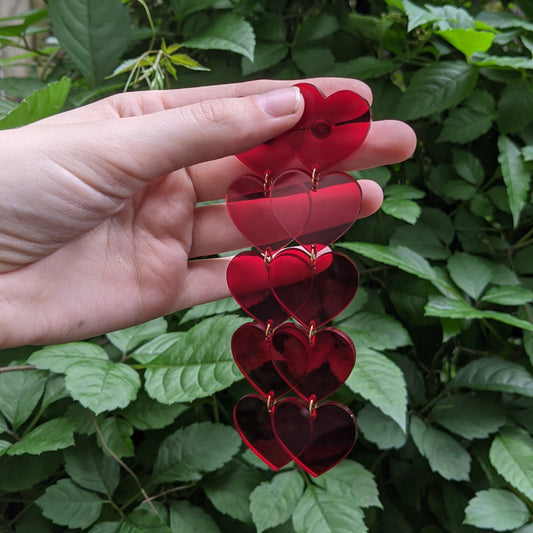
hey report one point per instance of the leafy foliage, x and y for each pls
(133, 432)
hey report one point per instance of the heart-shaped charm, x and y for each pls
(254, 424)
(249, 283)
(331, 128)
(333, 278)
(332, 436)
(250, 209)
(330, 358)
(315, 212)
(251, 351)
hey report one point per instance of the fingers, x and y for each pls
(388, 142)
(215, 233)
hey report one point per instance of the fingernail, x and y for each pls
(280, 102)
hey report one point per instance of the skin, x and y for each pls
(99, 227)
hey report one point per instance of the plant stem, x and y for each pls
(16, 368)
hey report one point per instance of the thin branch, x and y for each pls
(17, 368)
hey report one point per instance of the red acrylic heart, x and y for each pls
(317, 368)
(333, 277)
(249, 207)
(252, 353)
(254, 424)
(331, 128)
(249, 283)
(316, 440)
(315, 213)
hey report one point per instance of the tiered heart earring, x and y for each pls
(309, 283)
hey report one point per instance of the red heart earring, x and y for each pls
(309, 284)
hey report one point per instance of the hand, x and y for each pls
(98, 218)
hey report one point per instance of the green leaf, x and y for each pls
(203, 311)
(313, 59)
(468, 166)
(59, 357)
(229, 489)
(498, 510)
(437, 87)
(420, 239)
(469, 416)
(68, 505)
(379, 428)
(94, 33)
(145, 413)
(102, 385)
(468, 41)
(508, 295)
(504, 62)
(90, 468)
(467, 123)
(188, 453)
(494, 374)
(407, 192)
(144, 520)
(187, 518)
(515, 107)
(458, 190)
(4, 446)
(117, 433)
(227, 32)
(380, 381)
(469, 273)
(128, 339)
(273, 502)
(376, 330)
(53, 435)
(515, 176)
(416, 15)
(402, 209)
(158, 346)
(38, 105)
(196, 364)
(55, 390)
(321, 512)
(182, 8)
(444, 454)
(511, 454)
(266, 55)
(364, 68)
(106, 527)
(20, 391)
(316, 27)
(352, 480)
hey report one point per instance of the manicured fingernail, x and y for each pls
(280, 102)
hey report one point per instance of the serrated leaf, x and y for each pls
(59, 357)
(90, 468)
(105, 527)
(402, 209)
(379, 428)
(187, 518)
(352, 480)
(145, 413)
(469, 416)
(117, 433)
(444, 454)
(227, 32)
(55, 390)
(40, 104)
(515, 176)
(381, 382)
(188, 453)
(144, 520)
(468, 41)
(196, 364)
(515, 107)
(20, 391)
(469, 273)
(505, 62)
(321, 512)
(421, 240)
(407, 192)
(68, 505)
(94, 33)
(436, 88)
(466, 124)
(4, 446)
(511, 454)
(376, 330)
(229, 489)
(415, 14)
(182, 8)
(316, 27)
(498, 510)
(273, 502)
(494, 374)
(364, 68)
(266, 55)
(508, 295)
(102, 385)
(128, 339)
(53, 435)
(468, 166)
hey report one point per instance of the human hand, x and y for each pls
(99, 226)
